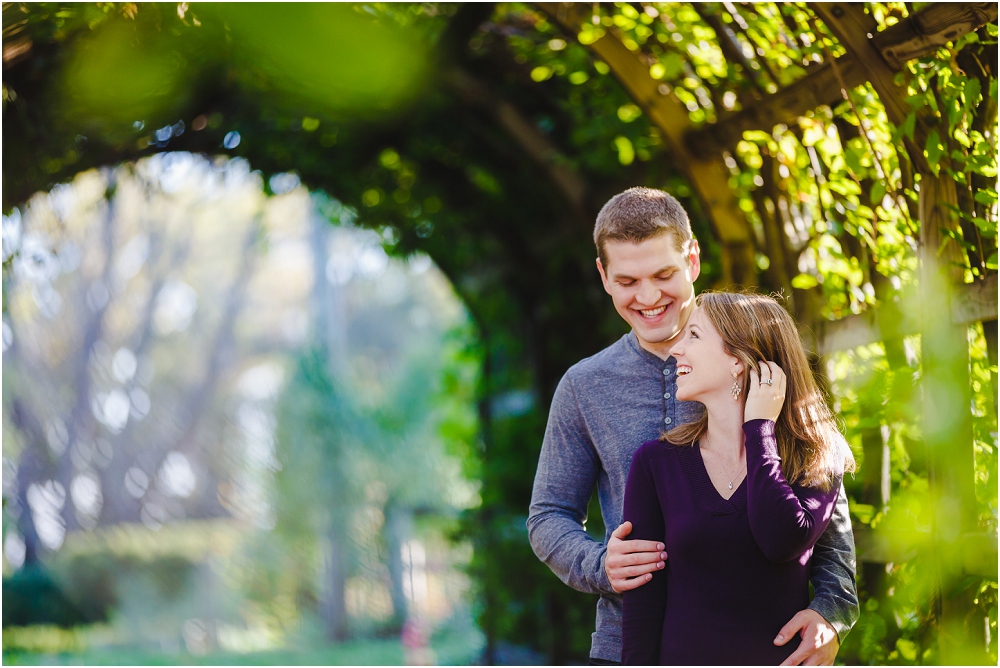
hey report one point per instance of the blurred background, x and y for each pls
(287, 289)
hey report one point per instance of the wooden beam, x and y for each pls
(971, 302)
(979, 554)
(820, 87)
(933, 26)
(975, 302)
(851, 26)
(707, 174)
(524, 134)
(883, 546)
(914, 37)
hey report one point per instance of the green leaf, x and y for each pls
(673, 65)
(962, 138)
(804, 282)
(757, 136)
(626, 152)
(852, 156)
(933, 149)
(878, 192)
(991, 262)
(972, 94)
(907, 648)
(906, 129)
(864, 512)
(986, 197)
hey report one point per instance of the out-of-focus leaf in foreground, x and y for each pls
(325, 54)
(122, 73)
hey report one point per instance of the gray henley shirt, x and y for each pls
(603, 409)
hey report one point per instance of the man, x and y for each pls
(607, 405)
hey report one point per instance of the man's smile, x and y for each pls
(653, 312)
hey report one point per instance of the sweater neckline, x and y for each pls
(701, 484)
(633, 342)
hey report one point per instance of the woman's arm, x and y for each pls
(786, 520)
(643, 608)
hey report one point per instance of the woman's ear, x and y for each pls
(737, 368)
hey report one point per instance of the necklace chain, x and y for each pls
(724, 469)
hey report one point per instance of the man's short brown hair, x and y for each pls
(639, 214)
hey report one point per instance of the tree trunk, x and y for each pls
(333, 600)
(398, 529)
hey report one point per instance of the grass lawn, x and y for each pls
(371, 652)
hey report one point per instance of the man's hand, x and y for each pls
(819, 644)
(629, 563)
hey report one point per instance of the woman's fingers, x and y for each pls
(767, 391)
(765, 372)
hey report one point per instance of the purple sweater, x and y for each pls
(738, 569)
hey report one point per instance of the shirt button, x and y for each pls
(666, 372)
(667, 420)
(666, 395)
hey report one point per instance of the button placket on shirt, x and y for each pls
(668, 418)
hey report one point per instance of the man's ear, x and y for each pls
(694, 260)
(604, 276)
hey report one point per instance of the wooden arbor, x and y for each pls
(948, 302)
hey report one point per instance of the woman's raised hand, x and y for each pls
(766, 394)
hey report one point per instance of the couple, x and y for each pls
(733, 503)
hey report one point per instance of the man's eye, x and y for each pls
(626, 284)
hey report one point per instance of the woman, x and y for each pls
(738, 497)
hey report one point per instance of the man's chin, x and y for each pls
(655, 334)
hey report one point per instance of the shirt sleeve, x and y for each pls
(568, 468)
(833, 569)
(786, 520)
(643, 608)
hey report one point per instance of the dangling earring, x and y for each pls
(736, 388)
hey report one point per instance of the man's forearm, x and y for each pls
(834, 565)
(565, 547)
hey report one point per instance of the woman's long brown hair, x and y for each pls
(755, 327)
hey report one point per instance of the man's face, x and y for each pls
(652, 286)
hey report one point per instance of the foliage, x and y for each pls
(32, 597)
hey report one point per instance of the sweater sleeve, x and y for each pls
(643, 608)
(568, 468)
(786, 520)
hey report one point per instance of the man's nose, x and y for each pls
(648, 294)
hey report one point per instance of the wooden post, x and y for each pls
(947, 419)
(708, 175)
(947, 398)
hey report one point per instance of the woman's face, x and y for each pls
(704, 369)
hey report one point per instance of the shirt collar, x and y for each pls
(633, 342)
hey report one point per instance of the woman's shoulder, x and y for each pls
(656, 450)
